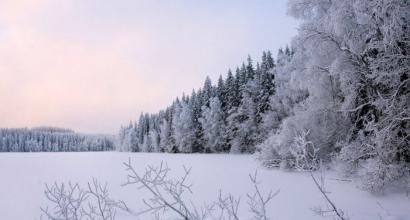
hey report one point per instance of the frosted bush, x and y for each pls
(304, 152)
(377, 176)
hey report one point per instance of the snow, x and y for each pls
(23, 176)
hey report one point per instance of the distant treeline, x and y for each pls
(50, 139)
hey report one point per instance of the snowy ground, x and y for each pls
(23, 175)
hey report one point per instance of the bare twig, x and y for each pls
(167, 194)
(73, 203)
(338, 212)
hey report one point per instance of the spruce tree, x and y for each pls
(214, 126)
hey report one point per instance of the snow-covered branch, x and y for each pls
(257, 201)
(71, 202)
(168, 194)
(333, 208)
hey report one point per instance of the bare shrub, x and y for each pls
(168, 197)
(71, 202)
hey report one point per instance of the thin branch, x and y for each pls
(337, 212)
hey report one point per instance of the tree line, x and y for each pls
(224, 117)
(340, 92)
(50, 139)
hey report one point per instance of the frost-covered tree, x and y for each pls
(231, 92)
(47, 139)
(207, 92)
(171, 126)
(183, 127)
(242, 126)
(214, 126)
(351, 58)
(165, 144)
(128, 138)
(153, 136)
(266, 83)
(196, 103)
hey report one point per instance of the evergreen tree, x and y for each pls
(165, 144)
(242, 124)
(184, 128)
(230, 92)
(214, 126)
(207, 91)
(250, 71)
(196, 105)
(221, 93)
(266, 85)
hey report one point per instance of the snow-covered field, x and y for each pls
(23, 175)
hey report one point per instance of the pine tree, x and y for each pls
(221, 93)
(207, 91)
(147, 144)
(242, 125)
(165, 144)
(250, 71)
(266, 85)
(153, 136)
(183, 128)
(196, 105)
(141, 129)
(230, 92)
(214, 126)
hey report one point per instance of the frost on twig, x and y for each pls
(168, 194)
(332, 210)
(257, 202)
(228, 206)
(305, 153)
(71, 202)
(168, 198)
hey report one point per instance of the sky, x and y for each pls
(94, 65)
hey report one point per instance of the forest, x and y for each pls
(51, 139)
(338, 94)
(308, 119)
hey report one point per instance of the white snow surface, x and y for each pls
(23, 175)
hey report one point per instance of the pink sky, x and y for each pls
(92, 65)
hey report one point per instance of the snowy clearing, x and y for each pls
(23, 176)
